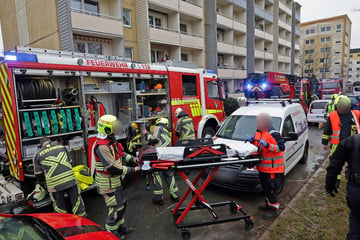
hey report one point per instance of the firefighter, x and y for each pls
(109, 157)
(53, 162)
(184, 126)
(271, 168)
(330, 107)
(347, 151)
(162, 133)
(342, 123)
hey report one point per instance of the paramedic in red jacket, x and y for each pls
(271, 168)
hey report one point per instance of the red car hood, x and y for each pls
(71, 226)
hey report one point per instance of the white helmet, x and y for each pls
(178, 111)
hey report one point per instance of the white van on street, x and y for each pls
(287, 117)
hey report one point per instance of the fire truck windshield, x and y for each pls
(328, 85)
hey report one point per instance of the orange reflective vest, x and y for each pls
(272, 158)
(335, 125)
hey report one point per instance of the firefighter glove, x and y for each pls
(250, 139)
(330, 186)
(264, 143)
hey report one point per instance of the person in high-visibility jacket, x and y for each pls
(109, 157)
(162, 133)
(330, 107)
(271, 168)
(53, 162)
(341, 124)
(184, 126)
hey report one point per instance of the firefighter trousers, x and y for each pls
(271, 184)
(169, 178)
(353, 201)
(76, 202)
(116, 204)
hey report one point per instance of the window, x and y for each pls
(357, 69)
(309, 61)
(324, 60)
(91, 6)
(350, 62)
(309, 51)
(325, 29)
(189, 86)
(308, 71)
(309, 41)
(324, 70)
(158, 56)
(184, 57)
(325, 39)
(357, 62)
(337, 63)
(95, 48)
(351, 55)
(127, 17)
(154, 21)
(288, 126)
(183, 28)
(338, 26)
(325, 49)
(337, 42)
(358, 55)
(350, 69)
(337, 52)
(88, 47)
(213, 90)
(310, 31)
(76, 4)
(129, 52)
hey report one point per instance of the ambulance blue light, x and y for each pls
(249, 86)
(21, 57)
(263, 86)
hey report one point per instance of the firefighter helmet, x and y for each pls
(343, 104)
(334, 96)
(108, 125)
(163, 121)
(178, 111)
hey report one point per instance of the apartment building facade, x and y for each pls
(325, 47)
(231, 37)
(354, 65)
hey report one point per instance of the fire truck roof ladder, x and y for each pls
(69, 54)
(283, 102)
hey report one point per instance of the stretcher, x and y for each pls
(206, 157)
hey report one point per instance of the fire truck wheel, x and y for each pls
(208, 132)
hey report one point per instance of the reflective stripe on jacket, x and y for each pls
(336, 125)
(185, 127)
(272, 157)
(54, 162)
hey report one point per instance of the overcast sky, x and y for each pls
(316, 9)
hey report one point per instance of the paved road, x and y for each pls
(155, 223)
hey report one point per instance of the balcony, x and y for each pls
(239, 50)
(224, 47)
(231, 73)
(96, 24)
(297, 61)
(191, 8)
(284, 42)
(167, 4)
(224, 21)
(285, 25)
(285, 59)
(239, 26)
(165, 36)
(285, 8)
(262, 13)
(192, 41)
(264, 35)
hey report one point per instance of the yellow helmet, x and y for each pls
(343, 104)
(334, 96)
(178, 111)
(163, 121)
(108, 124)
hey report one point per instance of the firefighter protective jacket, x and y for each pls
(109, 166)
(185, 127)
(163, 135)
(272, 156)
(53, 161)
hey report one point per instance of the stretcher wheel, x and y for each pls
(233, 208)
(248, 224)
(185, 233)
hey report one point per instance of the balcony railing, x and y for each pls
(96, 14)
(193, 3)
(175, 31)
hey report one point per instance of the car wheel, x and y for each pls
(305, 154)
(280, 189)
(208, 132)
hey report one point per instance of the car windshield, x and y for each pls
(318, 105)
(353, 99)
(13, 229)
(239, 127)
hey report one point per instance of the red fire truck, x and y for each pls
(61, 95)
(328, 87)
(277, 85)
